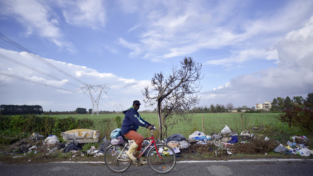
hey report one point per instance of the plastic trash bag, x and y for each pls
(226, 130)
(216, 136)
(304, 152)
(281, 149)
(196, 134)
(71, 147)
(119, 140)
(115, 133)
(200, 138)
(173, 144)
(234, 139)
(183, 144)
(247, 133)
(176, 137)
(51, 140)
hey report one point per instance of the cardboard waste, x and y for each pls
(81, 135)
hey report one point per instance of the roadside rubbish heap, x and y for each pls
(296, 147)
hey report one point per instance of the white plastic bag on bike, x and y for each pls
(119, 140)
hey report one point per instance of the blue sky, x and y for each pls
(249, 49)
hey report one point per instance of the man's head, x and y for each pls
(136, 104)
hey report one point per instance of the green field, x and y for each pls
(213, 122)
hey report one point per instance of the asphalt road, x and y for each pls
(281, 168)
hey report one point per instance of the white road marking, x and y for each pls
(203, 161)
(244, 160)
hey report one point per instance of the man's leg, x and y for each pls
(133, 135)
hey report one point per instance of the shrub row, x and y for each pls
(42, 125)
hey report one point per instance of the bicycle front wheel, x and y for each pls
(116, 159)
(164, 164)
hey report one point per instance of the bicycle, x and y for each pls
(161, 158)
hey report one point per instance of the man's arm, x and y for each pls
(134, 117)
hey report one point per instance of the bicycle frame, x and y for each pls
(152, 142)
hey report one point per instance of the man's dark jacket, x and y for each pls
(132, 121)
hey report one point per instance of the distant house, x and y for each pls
(266, 106)
(234, 110)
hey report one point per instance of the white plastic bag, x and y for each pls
(304, 152)
(196, 134)
(226, 130)
(183, 144)
(51, 140)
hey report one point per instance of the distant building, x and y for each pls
(266, 106)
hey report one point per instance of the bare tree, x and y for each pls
(174, 94)
(230, 106)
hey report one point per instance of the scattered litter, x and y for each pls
(70, 146)
(74, 151)
(304, 152)
(266, 139)
(183, 144)
(36, 136)
(176, 137)
(173, 144)
(281, 149)
(226, 139)
(226, 130)
(17, 156)
(52, 150)
(196, 134)
(117, 141)
(246, 133)
(234, 139)
(216, 136)
(51, 140)
(79, 136)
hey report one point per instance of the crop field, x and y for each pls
(213, 122)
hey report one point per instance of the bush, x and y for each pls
(298, 116)
(42, 125)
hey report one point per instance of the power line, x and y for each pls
(34, 69)
(18, 46)
(23, 79)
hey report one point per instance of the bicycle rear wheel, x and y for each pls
(116, 160)
(164, 165)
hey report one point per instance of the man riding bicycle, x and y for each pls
(131, 123)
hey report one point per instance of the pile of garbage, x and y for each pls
(37, 143)
(296, 147)
(227, 141)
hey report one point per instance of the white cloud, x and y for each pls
(293, 75)
(89, 13)
(14, 90)
(174, 29)
(135, 47)
(244, 55)
(37, 17)
(133, 28)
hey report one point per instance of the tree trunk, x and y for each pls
(202, 124)
(160, 120)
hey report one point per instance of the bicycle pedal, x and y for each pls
(137, 163)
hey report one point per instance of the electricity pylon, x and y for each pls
(95, 101)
